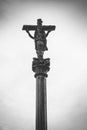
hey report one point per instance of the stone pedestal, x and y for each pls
(41, 67)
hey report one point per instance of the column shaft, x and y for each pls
(41, 103)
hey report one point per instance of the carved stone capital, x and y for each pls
(41, 67)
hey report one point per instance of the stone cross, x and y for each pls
(40, 35)
(40, 66)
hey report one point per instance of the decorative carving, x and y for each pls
(41, 67)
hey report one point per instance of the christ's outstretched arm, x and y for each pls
(48, 33)
(30, 34)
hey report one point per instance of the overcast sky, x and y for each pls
(67, 79)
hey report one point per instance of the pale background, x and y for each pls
(67, 48)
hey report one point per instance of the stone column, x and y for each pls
(41, 68)
(41, 103)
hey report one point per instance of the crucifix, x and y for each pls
(40, 66)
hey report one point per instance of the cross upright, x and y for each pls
(40, 66)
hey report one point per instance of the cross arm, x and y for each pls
(33, 28)
(48, 28)
(29, 27)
